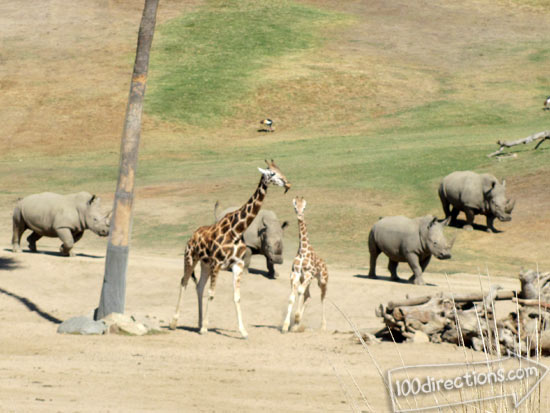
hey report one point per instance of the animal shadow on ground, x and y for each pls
(460, 223)
(219, 331)
(32, 306)
(264, 274)
(8, 264)
(264, 130)
(267, 326)
(388, 278)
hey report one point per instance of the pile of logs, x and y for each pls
(469, 319)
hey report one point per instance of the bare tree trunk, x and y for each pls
(113, 292)
(544, 135)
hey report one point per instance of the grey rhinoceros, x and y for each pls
(264, 236)
(53, 215)
(475, 194)
(409, 240)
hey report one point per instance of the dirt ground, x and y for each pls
(182, 370)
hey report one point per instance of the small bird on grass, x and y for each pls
(546, 104)
(269, 123)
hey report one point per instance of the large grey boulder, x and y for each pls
(82, 325)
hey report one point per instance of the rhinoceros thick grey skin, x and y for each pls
(53, 215)
(264, 237)
(409, 240)
(475, 194)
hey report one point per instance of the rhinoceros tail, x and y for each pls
(216, 207)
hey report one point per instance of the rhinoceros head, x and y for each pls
(96, 220)
(497, 203)
(436, 241)
(271, 237)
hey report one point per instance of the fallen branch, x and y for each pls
(542, 136)
(532, 303)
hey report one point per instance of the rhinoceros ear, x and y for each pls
(285, 224)
(91, 200)
(432, 222)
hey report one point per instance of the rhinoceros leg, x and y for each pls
(77, 236)
(66, 237)
(445, 204)
(469, 219)
(454, 214)
(490, 224)
(18, 228)
(374, 253)
(247, 257)
(392, 266)
(416, 268)
(32, 239)
(271, 269)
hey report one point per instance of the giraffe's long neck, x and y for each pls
(304, 241)
(246, 214)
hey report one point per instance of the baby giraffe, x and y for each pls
(221, 247)
(306, 265)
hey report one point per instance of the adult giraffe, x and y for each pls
(220, 247)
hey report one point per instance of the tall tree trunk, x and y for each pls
(116, 263)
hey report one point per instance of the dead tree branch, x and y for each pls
(542, 136)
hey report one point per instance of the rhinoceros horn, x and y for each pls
(509, 206)
(108, 217)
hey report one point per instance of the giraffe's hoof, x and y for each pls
(173, 324)
(244, 334)
(297, 328)
(203, 331)
(284, 329)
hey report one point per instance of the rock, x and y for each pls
(152, 323)
(82, 325)
(420, 337)
(124, 324)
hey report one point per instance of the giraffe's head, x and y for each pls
(273, 175)
(299, 206)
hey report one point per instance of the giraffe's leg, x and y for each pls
(211, 292)
(303, 294)
(294, 282)
(302, 302)
(323, 281)
(237, 269)
(205, 273)
(189, 266)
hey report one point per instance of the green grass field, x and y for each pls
(363, 129)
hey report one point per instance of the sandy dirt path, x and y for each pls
(182, 370)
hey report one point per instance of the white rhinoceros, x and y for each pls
(53, 215)
(408, 240)
(475, 194)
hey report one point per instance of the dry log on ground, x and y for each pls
(542, 136)
(468, 319)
